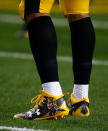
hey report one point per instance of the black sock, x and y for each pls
(83, 41)
(43, 43)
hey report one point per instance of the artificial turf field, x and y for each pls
(19, 81)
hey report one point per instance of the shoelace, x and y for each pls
(37, 100)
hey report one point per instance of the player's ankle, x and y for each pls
(53, 88)
(80, 91)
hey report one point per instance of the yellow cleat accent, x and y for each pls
(47, 106)
(79, 107)
(62, 117)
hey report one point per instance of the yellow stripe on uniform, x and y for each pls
(21, 8)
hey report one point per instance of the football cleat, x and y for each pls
(47, 106)
(79, 107)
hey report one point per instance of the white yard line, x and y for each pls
(60, 58)
(15, 19)
(15, 55)
(18, 129)
(8, 18)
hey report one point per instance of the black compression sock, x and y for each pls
(43, 43)
(83, 41)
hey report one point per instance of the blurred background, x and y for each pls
(12, 27)
(19, 80)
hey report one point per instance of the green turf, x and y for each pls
(19, 82)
